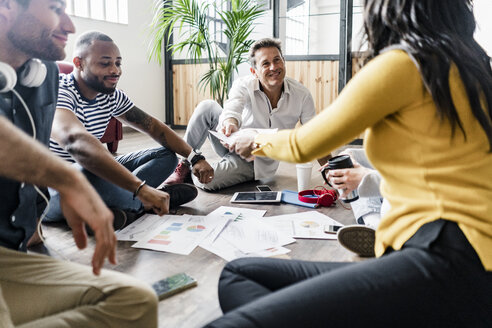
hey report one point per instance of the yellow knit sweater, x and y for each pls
(426, 173)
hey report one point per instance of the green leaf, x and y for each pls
(188, 19)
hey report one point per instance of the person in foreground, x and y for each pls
(37, 290)
(266, 99)
(87, 100)
(427, 90)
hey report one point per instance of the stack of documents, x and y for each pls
(229, 232)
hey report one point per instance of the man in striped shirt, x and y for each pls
(87, 100)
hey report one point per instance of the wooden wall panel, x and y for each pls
(320, 77)
(186, 92)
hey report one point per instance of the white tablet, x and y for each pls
(257, 197)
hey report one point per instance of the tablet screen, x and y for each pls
(266, 196)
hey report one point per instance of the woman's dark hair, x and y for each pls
(436, 34)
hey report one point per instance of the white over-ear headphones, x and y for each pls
(31, 76)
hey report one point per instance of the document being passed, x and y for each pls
(232, 138)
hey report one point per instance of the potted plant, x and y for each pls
(191, 20)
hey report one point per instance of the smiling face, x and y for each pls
(100, 67)
(41, 29)
(270, 68)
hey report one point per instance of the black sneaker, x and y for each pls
(180, 193)
(358, 239)
(119, 222)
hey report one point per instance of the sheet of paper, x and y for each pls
(233, 212)
(250, 235)
(222, 137)
(229, 252)
(232, 138)
(230, 213)
(308, 225)
(142, 226)
(180, 235)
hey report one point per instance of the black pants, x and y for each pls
(436, 280)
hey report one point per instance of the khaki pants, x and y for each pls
(39, 291)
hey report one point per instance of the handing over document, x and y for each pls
(232, 138)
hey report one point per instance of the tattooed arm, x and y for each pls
(161, 133)
(156, 129)
(89, 153)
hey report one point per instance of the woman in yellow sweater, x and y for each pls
(425, 98)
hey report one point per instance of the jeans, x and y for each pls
(435, 280)
(231, 169)
(151, 165)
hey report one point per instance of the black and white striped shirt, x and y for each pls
(93, 114)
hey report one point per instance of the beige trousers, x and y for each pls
(39, 291)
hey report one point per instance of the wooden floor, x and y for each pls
(199, 305)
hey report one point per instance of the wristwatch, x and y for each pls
(195, 156)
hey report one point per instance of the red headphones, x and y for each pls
(321, 197)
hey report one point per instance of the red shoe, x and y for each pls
(181, 174)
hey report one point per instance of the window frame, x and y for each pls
(119, 20)
(345, 48)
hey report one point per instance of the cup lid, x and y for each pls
(340, 162)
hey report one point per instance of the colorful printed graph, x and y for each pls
(159, 241)
(174, 227)
(196, 228)
(163, 236)
(309, 224)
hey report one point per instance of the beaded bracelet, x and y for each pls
(135, 194)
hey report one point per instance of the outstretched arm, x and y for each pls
(161, 133)
(91, 154)
(24, 159)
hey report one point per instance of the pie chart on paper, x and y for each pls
(196, 228)
(309, 224)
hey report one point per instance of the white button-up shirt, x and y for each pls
(252, 109)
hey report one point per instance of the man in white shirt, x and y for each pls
(264, 100)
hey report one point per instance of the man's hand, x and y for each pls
(229, 126)
(203, 171)
(82, 205)
(154, 199)
(245, 144)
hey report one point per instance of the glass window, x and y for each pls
(482, 10)
(310, 27)
(97, 9)
(357, 25)
(115, 11)
(216, 28)
(81, 8)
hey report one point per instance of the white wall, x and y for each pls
(141, 80)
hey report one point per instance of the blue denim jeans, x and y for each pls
(151, 165)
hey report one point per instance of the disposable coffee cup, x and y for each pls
(304, 176)
(343, 162)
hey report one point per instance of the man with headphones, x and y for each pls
(87, 100)
(38, 290)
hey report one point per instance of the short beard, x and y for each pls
(94, 84)
(36, 44)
